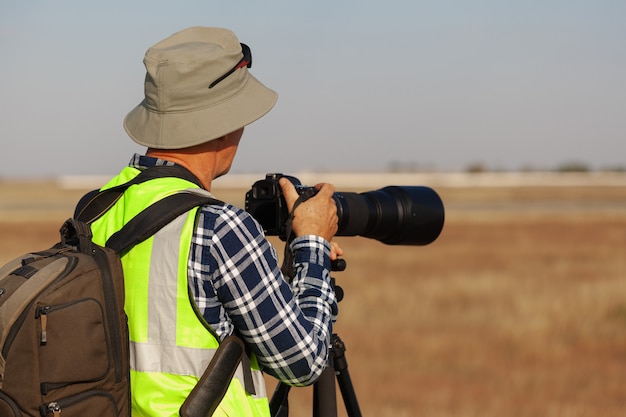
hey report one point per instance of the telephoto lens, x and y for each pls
(395, 215)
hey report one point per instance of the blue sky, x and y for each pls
(362, 85)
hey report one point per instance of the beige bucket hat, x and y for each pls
(197, 89)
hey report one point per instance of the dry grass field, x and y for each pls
(517, 309)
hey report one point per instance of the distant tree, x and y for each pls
(476, 168)
(573, 166)
(398, 166)
(528, 168)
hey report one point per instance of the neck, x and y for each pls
(199, 164)
(207, 160)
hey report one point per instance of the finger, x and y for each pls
(335, 251)
(289, 192)
(325, 190)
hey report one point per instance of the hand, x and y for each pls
(315, 216)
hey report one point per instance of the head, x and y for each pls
(197, 89)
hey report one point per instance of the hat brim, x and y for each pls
(185, 129)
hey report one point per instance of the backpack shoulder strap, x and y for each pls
(95, 203)
(156, 216)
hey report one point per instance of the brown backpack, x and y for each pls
(63, 330)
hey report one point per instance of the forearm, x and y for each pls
(316, 304)
(311, 283)
(293, 346)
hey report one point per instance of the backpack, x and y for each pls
(63, 330)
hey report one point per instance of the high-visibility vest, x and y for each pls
(170, 345)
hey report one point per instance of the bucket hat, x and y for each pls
(197, 88)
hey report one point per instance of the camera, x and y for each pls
(394, 215)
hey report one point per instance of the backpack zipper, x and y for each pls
(55, 409)
(41, 313)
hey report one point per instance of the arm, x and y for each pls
(287, 327)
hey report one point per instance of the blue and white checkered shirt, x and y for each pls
(237, 284)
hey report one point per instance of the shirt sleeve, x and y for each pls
(287, 325)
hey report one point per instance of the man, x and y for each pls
(212, 273)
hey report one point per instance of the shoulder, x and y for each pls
(227, 231)
(223, 216)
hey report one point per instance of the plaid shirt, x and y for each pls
(236, 282)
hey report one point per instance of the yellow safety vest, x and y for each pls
(170, 347)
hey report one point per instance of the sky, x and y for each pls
(363, 85)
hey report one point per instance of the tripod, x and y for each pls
(324, 389)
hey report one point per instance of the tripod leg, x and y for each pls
(343, 378)
(279, 404)
(324, 394)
